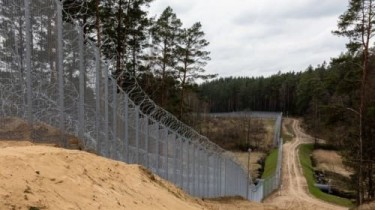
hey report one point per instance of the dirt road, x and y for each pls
(294, 193)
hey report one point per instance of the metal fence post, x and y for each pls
(207, 174)
(194, 175)
(81, 108)
(29, 107)
(60, 67)
(218, 178)
(126, 126)
(196, 170)
(225, 177)
(200, 173)
(157, 152)
(97, 100)
(114, 114)
(147, 140)
(108, 145)
(188, 162)
(137, 130)
(175, 158)
(204, 174)
(166, 154)
(182, 162)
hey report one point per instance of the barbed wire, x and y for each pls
(120, 122)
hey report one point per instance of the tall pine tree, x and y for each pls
(192, 58)
(357, 23)
(165, 34)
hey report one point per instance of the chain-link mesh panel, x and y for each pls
(56, 88)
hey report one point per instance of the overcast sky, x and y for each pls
(262, 37)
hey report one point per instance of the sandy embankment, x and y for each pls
(52, 178)
(46, 177)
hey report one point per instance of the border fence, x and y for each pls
(52, 77)
(263, 187)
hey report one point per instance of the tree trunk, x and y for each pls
(51, 54)
(119, 47)
(183, 84)
(97, 23)
(366, 33)
(163, 74)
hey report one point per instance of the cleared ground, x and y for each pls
(367, 206)
(287, 130)
(46, 177)
(293, 193)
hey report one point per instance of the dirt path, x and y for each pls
(294, 193)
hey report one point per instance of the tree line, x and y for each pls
(165, 57)
(336, 99)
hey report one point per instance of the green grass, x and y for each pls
(270, 164)
(305, 151)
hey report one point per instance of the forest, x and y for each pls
(165, 58)
(336, 99)
(326, 96)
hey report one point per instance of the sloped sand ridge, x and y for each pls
(45, 177)
(52, 178)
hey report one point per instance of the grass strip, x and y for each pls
(305, 150)
(270, 164)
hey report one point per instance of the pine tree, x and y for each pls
(192, 58)
(139, 27)
(124, 27)
(357, 23)
(165, 35)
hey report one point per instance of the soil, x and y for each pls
(367, 206)
(237, 203)
(286, 129)
(45, 177)
(293, 193)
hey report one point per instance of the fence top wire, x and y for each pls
(144, 103)
(148, 107)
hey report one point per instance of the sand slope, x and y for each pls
(52, 178)
(45, 177)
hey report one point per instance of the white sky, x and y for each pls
(262, 37)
